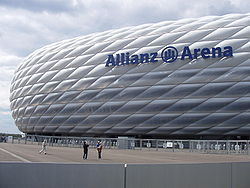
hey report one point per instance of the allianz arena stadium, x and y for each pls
(173, 79)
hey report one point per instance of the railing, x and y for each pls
(201, 146)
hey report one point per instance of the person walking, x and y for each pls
(44, 144)
(99, 149)
(85, 150)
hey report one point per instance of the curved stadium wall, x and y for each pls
(132, 82)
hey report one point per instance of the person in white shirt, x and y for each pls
(99, 149)
(44, 144)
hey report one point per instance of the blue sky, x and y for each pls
(28, 25)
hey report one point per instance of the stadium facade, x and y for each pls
(187, 78)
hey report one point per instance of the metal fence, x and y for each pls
(64, 175)
(202, 146)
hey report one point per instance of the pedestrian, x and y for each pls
(99, 149)
(85, 150)
(44, 144)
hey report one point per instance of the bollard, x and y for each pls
(247, 147)
(228, 147)
(203, 145)
(173, 145)
(189, 146)
(140, 144)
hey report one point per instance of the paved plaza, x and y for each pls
(29, 153)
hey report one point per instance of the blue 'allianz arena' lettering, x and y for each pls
(206, 52)
(126, 59)
(168, 55)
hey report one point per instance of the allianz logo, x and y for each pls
(169, 55)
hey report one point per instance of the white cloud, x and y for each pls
(40, 5)
(6, 121)
(5, 113)
(4, 94)
(10, 60)
(7, 124)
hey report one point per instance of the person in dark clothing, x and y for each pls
(85, 150)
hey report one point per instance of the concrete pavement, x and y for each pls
(29, 153)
